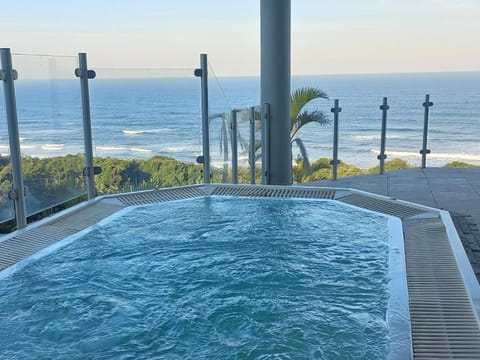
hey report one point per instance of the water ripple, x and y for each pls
(265, 280)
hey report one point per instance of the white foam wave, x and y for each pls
(132, 132)
(22, 139)
(109, 148)
(365, 137)
(374, 137)
(179, 149)
(140, 150)
(53, 147)
(158, 130)
(438, 156)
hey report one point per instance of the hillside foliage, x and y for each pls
(54, 181)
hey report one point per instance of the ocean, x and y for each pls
(144, 116)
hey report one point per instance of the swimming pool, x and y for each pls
(215, 277)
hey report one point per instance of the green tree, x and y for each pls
(300, 116)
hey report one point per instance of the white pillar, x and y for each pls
(275, 87)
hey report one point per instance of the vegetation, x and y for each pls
(56, 183)
(460, 164)
(51, 182)
(322, 170)
(301, 116)
(392, 165)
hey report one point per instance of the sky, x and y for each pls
(328, 36)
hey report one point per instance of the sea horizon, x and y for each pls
(161, 115)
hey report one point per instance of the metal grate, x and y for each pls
(263, 191)
(389, 207)
(444, 325)
(28, 243)
(161, 195)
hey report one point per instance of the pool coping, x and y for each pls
(445, 324)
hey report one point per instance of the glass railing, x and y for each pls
(146, 125)
(147, 128)
(220, 130)
(248, 144)
(51, 130)
(404, 134)
(452, 131)
(458, 122)
(359, 139)
(6, 205)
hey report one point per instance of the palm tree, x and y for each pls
(299, 117)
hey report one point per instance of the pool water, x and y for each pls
(212, 277)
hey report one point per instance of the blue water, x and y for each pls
(248, 279)
(160, 115)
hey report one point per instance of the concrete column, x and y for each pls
(275, 86)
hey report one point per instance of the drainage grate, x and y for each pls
(261, 191)
(28, 243)
(389, 207)
(444, 325)
(162, 195)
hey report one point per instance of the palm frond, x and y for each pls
(302, 97)
(306, 117)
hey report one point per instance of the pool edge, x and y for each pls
(388, 206)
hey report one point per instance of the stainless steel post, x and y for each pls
(424, 150)
(266, 144)
(384, 107)
(234, 147)
(17, 193)
(252, 145)
(205, 159)
(84, 74)
(335, 110)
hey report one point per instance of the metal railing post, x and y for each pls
(17, 193)
(424, 150)
(384, 107)
(205, 158)
(234, 147)
(89, 171)
(252, 145)
(266, 144)
(335, 110)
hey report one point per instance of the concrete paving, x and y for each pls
(453, 189)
